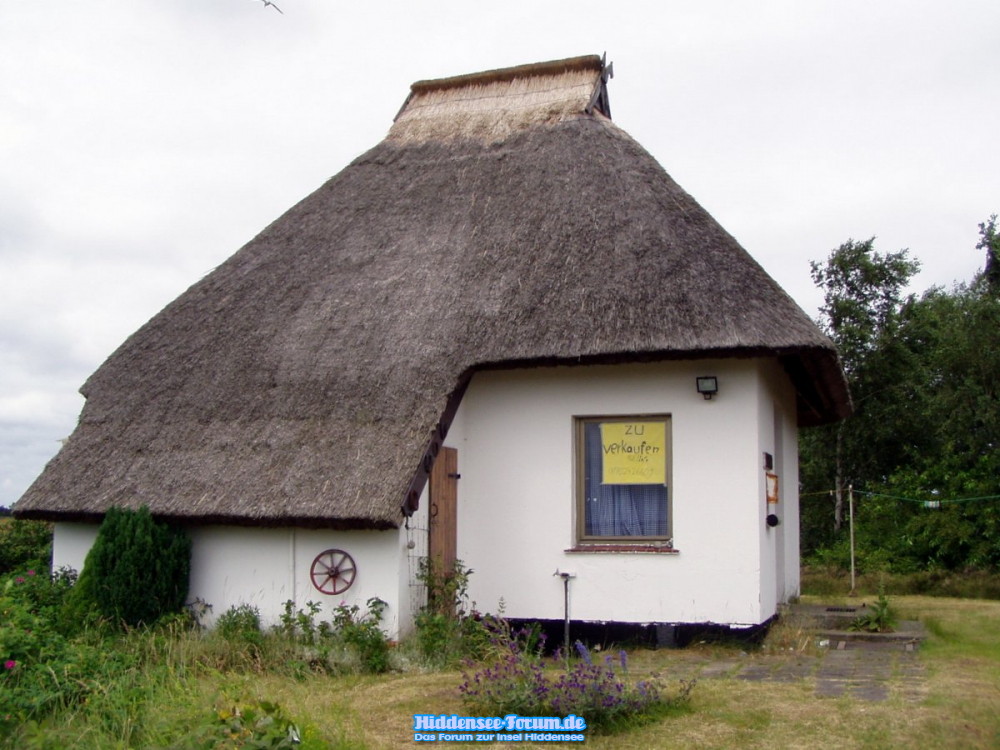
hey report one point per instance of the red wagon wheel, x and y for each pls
(333, 571)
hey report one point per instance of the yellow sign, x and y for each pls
(634, 452)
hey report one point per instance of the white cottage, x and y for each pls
(507, 297)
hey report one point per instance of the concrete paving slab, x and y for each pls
(864, 668)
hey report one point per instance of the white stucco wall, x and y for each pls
(515, 438)
(778, 435)
(514, 433)
(233, 565)
(70, 544)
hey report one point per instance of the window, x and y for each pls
(624, 483)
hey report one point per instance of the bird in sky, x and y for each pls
(268, 2)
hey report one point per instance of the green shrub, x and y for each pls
(240, 627)
(299, 625)
(880, 617)
(240, 622)
(24, 544)
(263, 725)
(352, 642)
(136, 572)
(40, 668)
(516, 682)
(448, 627)
(362, 633)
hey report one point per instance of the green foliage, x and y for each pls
(448, 627)
(989, 240)
(863, 301)
(925, 378)
(240, 627)
(240, 622)
(963, 584)
(300, 625)
(880, 617)
(353, 641)
(862, 295)
(259, 725)
(137, 571)
(40, 668)
(106, 677)
(361, 632)
(517, 682)
(447, 591)
(24, 544)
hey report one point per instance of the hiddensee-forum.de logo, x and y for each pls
(510, 728)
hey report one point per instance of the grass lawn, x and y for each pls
(960, 706)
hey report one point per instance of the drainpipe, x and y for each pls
(291, 563)
(565, 575)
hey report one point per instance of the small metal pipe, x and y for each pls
(565, 576)
(566, 612)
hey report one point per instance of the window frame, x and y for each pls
(582, 539)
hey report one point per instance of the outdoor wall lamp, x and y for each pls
(708, 386)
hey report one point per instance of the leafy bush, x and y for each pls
(362, 633)
(24, 544)
(137, 571)
(518, 683)
(446, 591)
(264, 725)
(41, 669)
(240, 627)
(299, 625)
(353, 641)
(880, 617)
(594, 691)
(448, 627)
(240, 622)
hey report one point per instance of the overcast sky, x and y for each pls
(142, 142)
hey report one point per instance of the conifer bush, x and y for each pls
(138, 569)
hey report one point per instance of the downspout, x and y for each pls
(291, 564)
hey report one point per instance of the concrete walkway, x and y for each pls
(866, 666)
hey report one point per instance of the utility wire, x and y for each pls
(933, 502)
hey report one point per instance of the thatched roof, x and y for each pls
(504, 222)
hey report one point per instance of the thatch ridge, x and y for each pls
(492, 106)
(518, 72)
(303, 378)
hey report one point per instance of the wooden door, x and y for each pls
(443, 502)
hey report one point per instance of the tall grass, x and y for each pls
(969, 584)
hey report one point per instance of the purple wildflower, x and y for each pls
(10, 664)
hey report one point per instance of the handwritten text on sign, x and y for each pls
(634, 452)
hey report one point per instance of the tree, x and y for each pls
(863, 298)
(925, 378)
(989, 241)
(137, 571)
